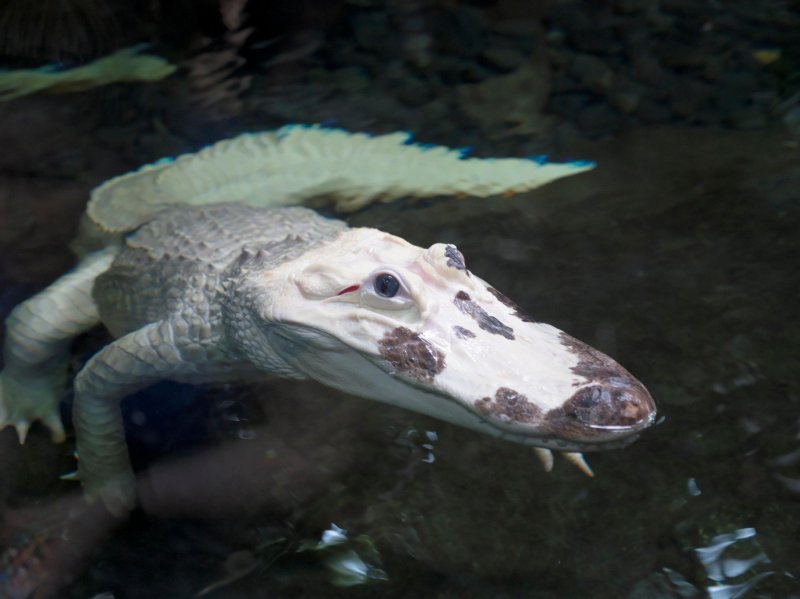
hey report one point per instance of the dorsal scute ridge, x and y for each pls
(296, 163)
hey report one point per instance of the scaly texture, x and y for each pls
(35, 353)
(184, 253)
(127, 64)
(296, 163)
(215, 282)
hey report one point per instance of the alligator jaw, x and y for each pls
(445, 343)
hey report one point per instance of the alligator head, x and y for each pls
(377, 317)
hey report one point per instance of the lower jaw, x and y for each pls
(566, 444)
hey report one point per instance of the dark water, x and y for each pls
(679, 256)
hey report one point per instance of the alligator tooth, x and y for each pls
(577, 459)
(546, 457)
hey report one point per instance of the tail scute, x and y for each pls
(296, 163)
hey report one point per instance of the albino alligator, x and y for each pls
(203, 276)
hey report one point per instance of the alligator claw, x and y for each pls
(117, 494)
(22, 425)
(25, 399)
(52, 421)
(74, 474)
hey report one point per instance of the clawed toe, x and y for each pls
(72, 476)
(24, 401)
(22, 425)
(52, 421)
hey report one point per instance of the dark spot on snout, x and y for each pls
(605, 406)
(455, 258)
(614, 399)
(488, 323)
(511, 304)
(508, 405)
(411, 354)
(593, 364)
(463, 333)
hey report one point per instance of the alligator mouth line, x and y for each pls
(558, 444)
(625, 435)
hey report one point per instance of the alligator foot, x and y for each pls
(117, 493)
(24, 399)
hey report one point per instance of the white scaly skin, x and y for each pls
(241, 292)
(340, 326)
(36, 349)
(216, 292)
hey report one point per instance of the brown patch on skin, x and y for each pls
(411, 354)
(509, 303)
(463, 333)
(593, 364)
(455, 258)
(488, 323)
(509, 405)
(614, 399)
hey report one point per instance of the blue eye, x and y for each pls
(386, 285)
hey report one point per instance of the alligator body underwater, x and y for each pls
(205, 274)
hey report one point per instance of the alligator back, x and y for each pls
(175, 263)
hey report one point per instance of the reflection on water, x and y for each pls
(351, 562)
(732, 556)
(734, 563)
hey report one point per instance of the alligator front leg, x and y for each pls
(155, 352)
(38, 333)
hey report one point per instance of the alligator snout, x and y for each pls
(618, 405)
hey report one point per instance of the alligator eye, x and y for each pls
(386, 285)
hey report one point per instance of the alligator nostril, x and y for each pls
(596, 405)
(616, 404)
